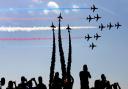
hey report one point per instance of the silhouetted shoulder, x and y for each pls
(41, 86)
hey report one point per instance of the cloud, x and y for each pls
(31, 12)
(13, 10)
(52, 5)
(37, 1)
(46, 11)
(75, 6)
(66, 11)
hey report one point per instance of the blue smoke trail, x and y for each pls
(38, 9)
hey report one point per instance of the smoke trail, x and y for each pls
(38, 38)
(13, 29)
(39, 9)
(53, 59)
(61, 52)
(37, 19)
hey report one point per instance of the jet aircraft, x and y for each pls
(89, 18)
(101, 26)
(93, 8)
(96, 36)
(117, 25)
(97, 17)
(110, 25)
(88, 37)
(92, 46)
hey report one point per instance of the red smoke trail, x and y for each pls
(30, 39)
(37, 19)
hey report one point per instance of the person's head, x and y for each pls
(103, 78)
(85, 68)
(2, 81)
(40, 79)
(57, 74)
(23, 79)
(10, 84)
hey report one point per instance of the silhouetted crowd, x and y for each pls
(27, 84)
(58, 83)
(98, 84)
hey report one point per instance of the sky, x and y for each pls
(32, 58)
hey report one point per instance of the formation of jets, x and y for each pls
(88, 37)
(96, 36)
(109, 26)
(101, 26)
(97, 17)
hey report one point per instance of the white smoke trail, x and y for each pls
(13, 29)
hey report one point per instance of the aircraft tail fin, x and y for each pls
(85, 37)
(107, 25)
(99, 26)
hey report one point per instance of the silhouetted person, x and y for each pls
(10, 85)
(57, 82)
(103, 81)
(116, 86)
(40, 85)
(2, 82)
(23, 84)
(84, 76)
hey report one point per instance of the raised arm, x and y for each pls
(33, 79)
(14, 82)
(118, 86)
(89, 75)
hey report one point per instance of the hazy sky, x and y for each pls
(32, 58)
